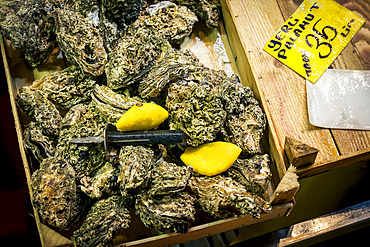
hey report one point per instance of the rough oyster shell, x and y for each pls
(206, 10)
(101, 183)
(111, 105)
(41, 145)
(136, 163)
(55, 193)
(223, 197)
(174, 212)
(81, 121)
(36, 105)
(81, 42)
(133, 56)
(122, 12)
(245, 121)
(105, 220)
(66, 88)
(171, 68)
(168, 178)
(195, 106)
(169, 20)
(254, 173)
(29, 27)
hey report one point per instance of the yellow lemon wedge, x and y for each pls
(145, 116)
(211, 158)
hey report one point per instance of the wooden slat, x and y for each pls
(335, 163)
(281, 91)
(361, 41)
(208, 229)
(356, 56)
(328, 226)
(18, 128)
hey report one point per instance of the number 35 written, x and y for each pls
(328, 33)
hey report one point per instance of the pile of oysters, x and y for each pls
(120, 53)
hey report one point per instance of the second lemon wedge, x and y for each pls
(211, 158)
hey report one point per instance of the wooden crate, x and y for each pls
(281, 92)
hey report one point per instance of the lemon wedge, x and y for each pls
(211, 158)
(145, 116)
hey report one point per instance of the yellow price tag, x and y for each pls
(310, 40)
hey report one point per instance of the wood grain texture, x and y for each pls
(281, 91)
(287, 187)
(209, 229)
(53, 238)
(327, 226)
(298, 153)
(356, 56)
(335, 163)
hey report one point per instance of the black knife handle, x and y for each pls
(120, 138)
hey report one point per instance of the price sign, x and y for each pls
(310, 40)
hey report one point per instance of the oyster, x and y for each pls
(206, 10)
(81, 42)
(41, 145)
(122, 12)
(136, 163)
(223, 197)
(66, 88)
(133, 56)
(83, 6)
(169, 20)
(245, 120)
(101, 183)
(174, 212)
(195, 106)
(30, 27)
(36, 105)
(171, 68)
(111, 105)
(168, 178)
(166, 204)
(254, 173)
(81, 121)
(55, 193)
(110, 33)
(105, 220)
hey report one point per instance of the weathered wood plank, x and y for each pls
(335, 163)
(361, 41)
(208, 229)
(327, 226)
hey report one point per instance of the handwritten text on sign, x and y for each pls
(310, 40)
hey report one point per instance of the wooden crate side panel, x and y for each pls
(356, 56)
(335, 163)
(12, 93)
(281, 90)
(208, 229)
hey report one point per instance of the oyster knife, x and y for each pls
(112, 137)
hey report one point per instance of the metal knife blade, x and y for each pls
(87, 140)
